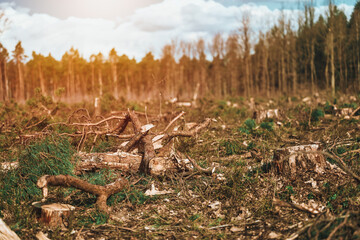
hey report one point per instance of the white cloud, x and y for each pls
(149, 28)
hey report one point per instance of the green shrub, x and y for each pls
(267, 126)
(231, 147)
(250, 123)
(317, 114)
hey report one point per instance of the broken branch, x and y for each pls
(102, 192)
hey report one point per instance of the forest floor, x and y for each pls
(251, 194)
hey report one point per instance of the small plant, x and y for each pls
(195, 217)
(267, 126)
(317, 114)
(328, 108)
(250, 123)
(231, 147)
(248, 126)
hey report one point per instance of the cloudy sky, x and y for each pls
(135, 27)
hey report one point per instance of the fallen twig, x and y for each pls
(281, 203)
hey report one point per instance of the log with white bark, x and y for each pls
(6, 233)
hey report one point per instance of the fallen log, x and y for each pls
(6, 233)
(128, 162)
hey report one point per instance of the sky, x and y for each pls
(136, 27)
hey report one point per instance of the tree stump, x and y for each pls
(292, 160)
(261, 115)
(53, 215)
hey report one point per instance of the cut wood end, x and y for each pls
(58, 207)
(146, 128)
(42, 182)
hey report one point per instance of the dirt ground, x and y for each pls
(286, 174)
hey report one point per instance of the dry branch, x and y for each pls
(102, 192)
(174, 120)
(299, 207)
(146, 142)
(198, 167)
(167, 137)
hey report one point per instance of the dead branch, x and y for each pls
(85, 124)
(174, 120)
(146, 142)
(198, 167)
(102, 192)
(281, 203)
(78, 110)
(120, 128)
(138, 136)
(167, 137)
(353, 113)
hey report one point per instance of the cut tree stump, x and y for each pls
(53, 215)
(292, 160)
(6, 233)
(261, 115)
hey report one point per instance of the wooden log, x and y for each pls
(53, 215)
(128, 162)
(124, 161)
(6, 233)
(292, 160)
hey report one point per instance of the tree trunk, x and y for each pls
(332, 63)
(21, 89)
(115, 80)
(42, 80)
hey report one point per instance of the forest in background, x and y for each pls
(321, 53)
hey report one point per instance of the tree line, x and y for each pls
(322, 53)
